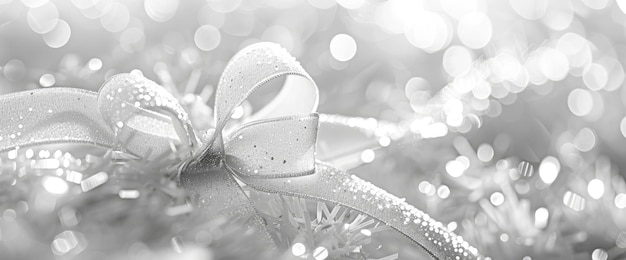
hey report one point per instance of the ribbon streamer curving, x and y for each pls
(271, 151)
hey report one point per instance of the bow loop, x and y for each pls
(274, 148)
(145, 116)
(250, 69)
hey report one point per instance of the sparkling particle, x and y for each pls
(54, 185)
(343, 47)
(526, 169)
(384, 141)
(496, 198)
(207, 37)
(44, 154)
(12, 154)
(49, 164)
(178, 210)
(549, 169)
(475, 30)
(368, 156)
(66, 242)
(95, 64)
(574, 201)
(74, 177)
(541, 217)
(595, 188)
(237, 112)
(47, 80)
(320, 253)
(128, 194)
(29, 153)
(94, 181)
(298, 249)
(434, 130)
(620, 201)
(485, 152)
(443, 191)
(452, 226)
(599, 254)
(455, 168)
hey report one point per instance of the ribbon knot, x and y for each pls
(272, 150)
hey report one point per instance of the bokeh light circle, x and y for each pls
(34, 3)
(585, 140)
(207, 37)
(116, 19)
(458, 8)
(14, 70)
(475, 30)
(554, 64)
(322, 4)
(351, 4)
(43, 18)
(428, 31)
(530, 9)
(595, 188)
(47, 80)
(159, 10)
(549, 169)
(559, 16)
(343, 47)
(580, 102)
(59, 36)
(622, 127)
(457, 60)
(595, 76)
(224, 6)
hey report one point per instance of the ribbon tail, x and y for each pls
(216, 193)
(52, 116)
(330, 184)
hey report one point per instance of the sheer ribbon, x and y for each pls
(272, 151)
